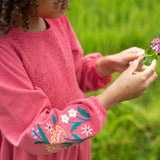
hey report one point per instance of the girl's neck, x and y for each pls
(36, 25)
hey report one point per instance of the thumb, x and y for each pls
(133, 66)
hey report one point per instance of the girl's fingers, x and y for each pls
(133, 67)
(152, 78)
(151, 69)
(137, 51)
(130, 63)
(132, 53)
(139, 59)
(139, 68)
(144, 67)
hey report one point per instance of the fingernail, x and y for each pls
(136, 60)
(140, 53)
(130, 62)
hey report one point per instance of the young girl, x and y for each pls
(44, 114)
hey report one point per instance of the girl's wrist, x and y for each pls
(106, 66)
(108, 98)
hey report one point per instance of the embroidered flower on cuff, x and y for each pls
(87, 130)
(65, 118)
(72, 113)
(49, 128)
(34, 133)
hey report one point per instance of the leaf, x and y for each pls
(53, 119)
(149, 51)
(39, 142)
(148, 59)
(144, 60)
(66, 144)
(158, 35)
(69, 145)
(155, 56)
(83, 112)
(43, 135)
(81, 141)
(75, 126)
(76, 136)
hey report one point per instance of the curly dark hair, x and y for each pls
(15, 13)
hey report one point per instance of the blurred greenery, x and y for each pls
(132, 128)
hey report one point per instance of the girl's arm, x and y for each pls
(29, 121)
(85, 66)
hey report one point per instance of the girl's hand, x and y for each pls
(118, 62)
(130, 84)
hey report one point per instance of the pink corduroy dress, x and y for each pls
(44, 113)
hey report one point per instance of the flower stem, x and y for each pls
(82, 118)
(38, 136)
(145, 55)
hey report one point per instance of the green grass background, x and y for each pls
(132, 128)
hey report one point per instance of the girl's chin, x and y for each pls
(57, 15)
(53, 16)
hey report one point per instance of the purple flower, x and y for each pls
(155, 45)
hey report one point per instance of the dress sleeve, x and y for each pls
(29, 121)
(87, 75)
